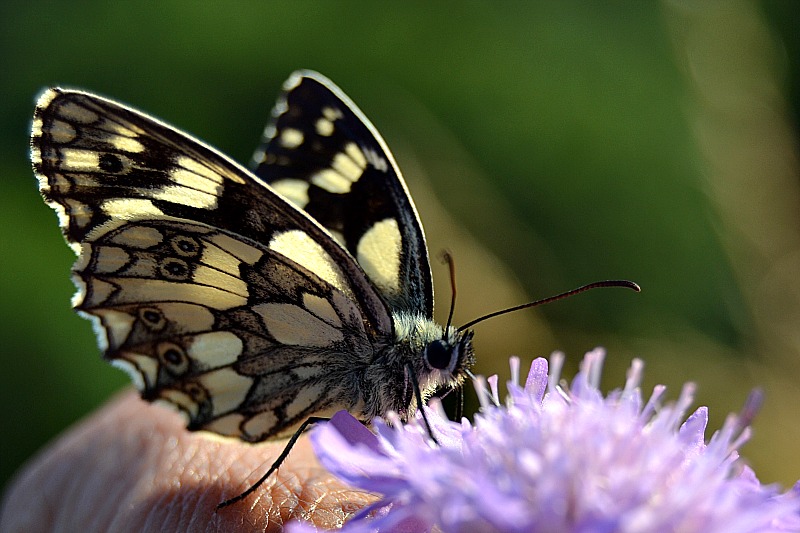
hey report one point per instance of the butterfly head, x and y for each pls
(438, 357)
(450, 356)
(446, 360)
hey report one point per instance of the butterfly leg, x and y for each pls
(418, 394)
(281, 458)
(459, 403)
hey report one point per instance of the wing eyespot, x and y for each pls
(196, 392)
(152, 318)
(175, 269)
(173, 358)
(110, 163)
(185, 246)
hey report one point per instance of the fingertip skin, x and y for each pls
(132, 466)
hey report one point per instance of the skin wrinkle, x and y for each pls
(137, 468)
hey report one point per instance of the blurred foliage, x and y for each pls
(575, 141)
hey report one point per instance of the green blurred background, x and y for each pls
(547, 144)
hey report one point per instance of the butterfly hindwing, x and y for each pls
(215, 293)
(231, 333)
(322, 153)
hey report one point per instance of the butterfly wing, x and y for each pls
(216, 294)
(323, 154)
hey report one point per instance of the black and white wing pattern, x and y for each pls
(322, 153)
(219, 296)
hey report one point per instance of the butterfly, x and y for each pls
(249, 300)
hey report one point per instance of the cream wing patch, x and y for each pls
(215, 348)
(346, 168)
(324, 127)
(379, 255)
(296, 191)
(260, 424)
(322, 308)
(302, 249)
(304, 399)
(292, 325)
(291, 138)
(228, 425)
(226, 389)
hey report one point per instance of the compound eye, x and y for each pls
(438, 354)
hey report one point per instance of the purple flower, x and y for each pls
(557, 458)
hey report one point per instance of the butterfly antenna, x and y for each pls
(623, 283)
(447, 257)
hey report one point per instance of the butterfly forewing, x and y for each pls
(322, 153)
(229, 332)
(103, 164)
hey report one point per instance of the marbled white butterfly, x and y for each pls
(250, 300)
(253, 302)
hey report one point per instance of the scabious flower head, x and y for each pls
(557, 458)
